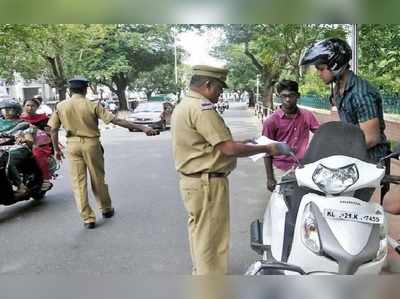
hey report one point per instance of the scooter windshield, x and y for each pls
(337, 138)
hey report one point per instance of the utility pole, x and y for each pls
(175, 58)
(354, 46)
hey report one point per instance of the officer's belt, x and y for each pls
(77, 133)
(210, 174)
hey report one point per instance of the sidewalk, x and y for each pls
(392, 132)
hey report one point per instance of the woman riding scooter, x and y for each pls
(12, 126)
(20, 176)
(42, 148)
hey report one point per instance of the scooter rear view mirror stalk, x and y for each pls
(299, 165)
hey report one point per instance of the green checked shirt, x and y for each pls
(362, 102)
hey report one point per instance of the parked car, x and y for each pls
(162, 98)
(154, 114)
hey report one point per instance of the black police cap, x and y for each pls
(78, 82)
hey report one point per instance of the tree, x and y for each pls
(41, 51)
(275, 49)
(160, 80)
(242, 72)
(379, 59)
(119, 53)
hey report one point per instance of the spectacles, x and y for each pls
(291, 96)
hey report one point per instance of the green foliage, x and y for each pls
(113, 55)
(242, 72)
(379, 56)
(273, 50)
(313, 85)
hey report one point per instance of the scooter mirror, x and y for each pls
(396, 150)
(394, 154)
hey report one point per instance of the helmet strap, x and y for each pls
(338, 73)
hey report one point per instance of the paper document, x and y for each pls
(262, 140)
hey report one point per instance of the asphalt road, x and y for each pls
(148, 233)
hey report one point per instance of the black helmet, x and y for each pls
(334, 52)
(11, 104)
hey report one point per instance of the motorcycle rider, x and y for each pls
(356, 100)
(14, 126)
(42, 148)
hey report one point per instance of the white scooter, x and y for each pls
(319, 219)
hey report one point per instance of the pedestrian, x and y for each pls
(205, 154)
(43, 108)
(289, 124)
(79, 117)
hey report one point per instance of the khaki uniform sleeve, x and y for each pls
(103, 114)
(210, 125)
(54, 122)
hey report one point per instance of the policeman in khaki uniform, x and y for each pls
(205, 154)
(79, 117)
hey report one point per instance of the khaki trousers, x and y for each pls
(86, 154)
(207, 203)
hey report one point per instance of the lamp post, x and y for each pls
(258, 87)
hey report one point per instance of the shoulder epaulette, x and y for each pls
(206, 105)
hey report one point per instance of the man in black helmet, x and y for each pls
(356, 100)
(79, 117)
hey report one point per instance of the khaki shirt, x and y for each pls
(196, 129)
(80, 117)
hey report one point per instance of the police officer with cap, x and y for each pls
(205, 154)
(79, 117)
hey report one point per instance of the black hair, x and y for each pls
(198, 80)
(35, 100)
(78, 90)
(287, 85)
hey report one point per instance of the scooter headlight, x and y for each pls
(310, 236)
(335, 180)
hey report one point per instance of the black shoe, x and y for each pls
(90, 225)
(109, 214)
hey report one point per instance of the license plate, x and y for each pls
(353, 216)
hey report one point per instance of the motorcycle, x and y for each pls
(220, 108)
(29, 171)
(320, 219)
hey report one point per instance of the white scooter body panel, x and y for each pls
(369, 174)
(274, 223)
(352, 236)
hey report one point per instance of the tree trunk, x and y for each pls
(121, 83)
(123, 105)
(62, 92)
(252, 100)
(148, 94)
(268, 93)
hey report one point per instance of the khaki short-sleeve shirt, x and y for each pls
(196, 129)
(79, 117)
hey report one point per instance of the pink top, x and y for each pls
(294, 131)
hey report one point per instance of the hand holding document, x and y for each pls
(262, 140)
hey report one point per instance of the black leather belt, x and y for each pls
(210, 174)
